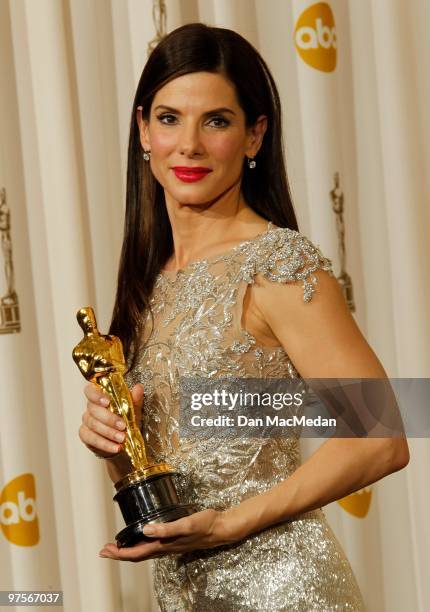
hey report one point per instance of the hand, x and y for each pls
(206, 529)
(101, 431)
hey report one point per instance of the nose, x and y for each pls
(190, 143)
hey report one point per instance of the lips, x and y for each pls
(189, 174)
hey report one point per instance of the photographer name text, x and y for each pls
(241, 420)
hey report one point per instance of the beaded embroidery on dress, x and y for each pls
(297, 565)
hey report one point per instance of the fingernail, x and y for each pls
(119, 436)
(104, 401)
(120, 424)
(149, 530)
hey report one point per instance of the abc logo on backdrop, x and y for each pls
(315, 37)
(358, 503)
(18, 514)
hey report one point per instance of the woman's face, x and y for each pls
(197, 137)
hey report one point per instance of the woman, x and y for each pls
(216, 281)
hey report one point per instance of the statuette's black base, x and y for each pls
(133, 534)
(150, 500)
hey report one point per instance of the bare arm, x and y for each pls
(323, 341)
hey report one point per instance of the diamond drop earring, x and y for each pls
(251, 163)
(146, 155)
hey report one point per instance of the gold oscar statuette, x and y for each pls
(147, 494)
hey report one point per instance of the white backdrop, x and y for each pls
(355, 90)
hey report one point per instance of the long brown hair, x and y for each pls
(148, 239)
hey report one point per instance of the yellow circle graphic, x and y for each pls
(358, 503)
(18, 513)
(315, 37)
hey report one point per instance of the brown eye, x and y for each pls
(220, 122)
(166, 118)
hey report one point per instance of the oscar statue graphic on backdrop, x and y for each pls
(147, 493)
(159, 19)
(344, 279)
(9, 308)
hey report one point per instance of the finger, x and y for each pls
(137, 393)
(173, 529)
(96, 415)
(109, 433)
(95, 442)
(140, 552)
(107, 425)
(95, 395)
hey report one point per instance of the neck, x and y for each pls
(200, 230)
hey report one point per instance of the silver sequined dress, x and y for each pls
(297, 565)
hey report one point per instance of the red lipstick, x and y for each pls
(190, 174)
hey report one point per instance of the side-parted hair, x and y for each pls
(148, 242)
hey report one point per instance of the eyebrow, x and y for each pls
(221, 109)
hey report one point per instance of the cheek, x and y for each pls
(226, 148)
(161, 143)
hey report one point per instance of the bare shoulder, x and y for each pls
(320, 335)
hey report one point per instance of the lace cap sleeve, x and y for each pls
(288, 256)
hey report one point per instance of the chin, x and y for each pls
(192, 195)
(194, 201)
